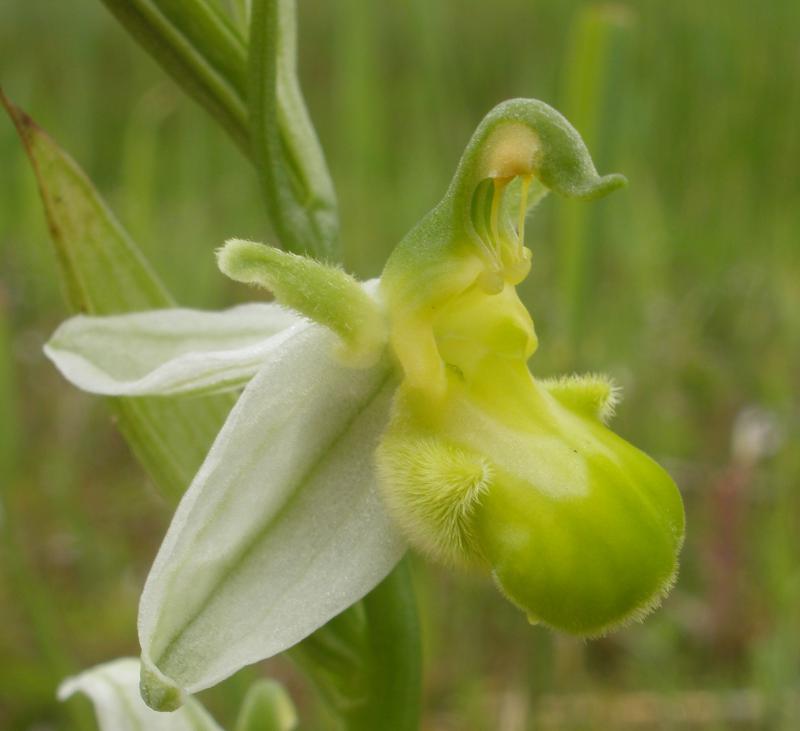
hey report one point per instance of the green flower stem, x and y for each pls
(394, 652)
(298, 190)
(366, 663)
(250, 86)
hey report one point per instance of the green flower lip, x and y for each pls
(576, 526)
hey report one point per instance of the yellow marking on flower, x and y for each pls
(510, 151)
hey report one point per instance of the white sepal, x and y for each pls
(281, 529)
(166, 352)
(113, 689)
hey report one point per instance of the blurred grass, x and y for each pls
(688, 294)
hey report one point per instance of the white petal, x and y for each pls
(164, 352)
(282, 528)
(114, 691)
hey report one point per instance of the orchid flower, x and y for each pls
(383, 414)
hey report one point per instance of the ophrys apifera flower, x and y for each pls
(393, 411)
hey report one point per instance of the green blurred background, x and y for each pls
(685, 288)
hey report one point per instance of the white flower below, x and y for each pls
(113, 689)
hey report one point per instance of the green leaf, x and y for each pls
(267, 707)
(104, 273)
(299, 193)
(200, 48)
